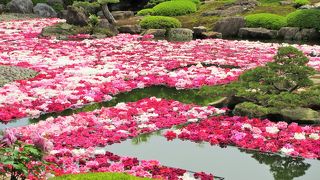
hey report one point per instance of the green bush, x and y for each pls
(266, 20)
(175, 8)
(159, 22)
(57, 7)
(197, 2)
(145, 12)
(90, 8)
(299, 3)
(308, 18)
(4, 1)
(39, 1)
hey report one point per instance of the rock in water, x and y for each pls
(20, 6)
(44, 10)
(180, 34)
(229, 27)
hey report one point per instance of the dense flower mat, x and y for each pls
(76, 142)
(73, 73)
(263, 135)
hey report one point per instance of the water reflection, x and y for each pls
(282, 167)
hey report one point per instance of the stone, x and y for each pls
(76, 16)
(128, 5)
(20, 6)
(180, 34)
(44, 10)
(53, 2)
(211, 35)
(285, 3)
(104, 24)
(309, 34)
(131, 29)
(231, 11)
(157, 33)
(12, 73)
(256, 33)
(118, 15)
(300, 114)
(100, 14)
(63, 14)
(288, 33)
(198, 32)
(229, 27)
(307, 6)
(248, 3)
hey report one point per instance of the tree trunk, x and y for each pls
(107, 14)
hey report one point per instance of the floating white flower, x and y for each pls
(246, 126)
(272, 129)
(314, 136)
(285, 150)
(193, 120)
(299, 136)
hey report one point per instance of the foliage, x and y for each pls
(308, 18)
(21, 160)
(175, 8)
(4, 1)
(108, 1)
(58, 7)
(94, 20)
(266, 20)
(98, 176)
(39, 1)
(159, 22)
(251, 110)
(274, 84)
(145, 12)
(299, 3)
(90, 8)
(69, 2)
(153, 3)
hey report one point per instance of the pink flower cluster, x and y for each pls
(263, 135)
(76, 142)
(74, 73)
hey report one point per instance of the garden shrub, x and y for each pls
(266, 20)
(90, 8)
(159, 22)
(58, 7)
(145, 12)
(299, 3)
(308, 18)
(39, 1)
(4, 1)
(175, 8)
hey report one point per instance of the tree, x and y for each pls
(105, 9)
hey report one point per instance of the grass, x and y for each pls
(273, 8)
(98, 176)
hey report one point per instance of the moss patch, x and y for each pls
(12, 73)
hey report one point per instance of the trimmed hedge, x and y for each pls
(266, 20)
(308, 18)
(159, 22)
(175, 8)
(145, 12)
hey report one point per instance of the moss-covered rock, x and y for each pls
(63, 29)
(300, 114)
(12, 73)
(251, 110)
(180, 34)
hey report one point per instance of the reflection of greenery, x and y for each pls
(282, 167)
(144, 137)
(184, 96)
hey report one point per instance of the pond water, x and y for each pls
(185, 96)
(231, 163)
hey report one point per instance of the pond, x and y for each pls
(230, 162)
(185, 96)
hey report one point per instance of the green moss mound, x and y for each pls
(309, 18)
(299, 3)
(266, 20)
(159, 22)
(175, 8)
(98, 176)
